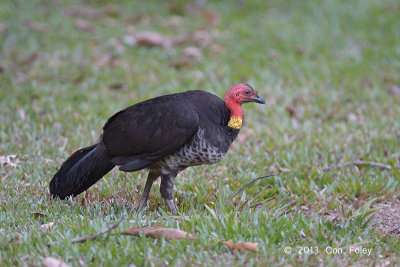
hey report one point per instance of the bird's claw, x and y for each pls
(171, 205)
(141, 205)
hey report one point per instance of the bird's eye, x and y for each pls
(247, 92)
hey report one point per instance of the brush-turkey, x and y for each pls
(165, 135)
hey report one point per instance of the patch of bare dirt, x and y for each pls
(387, 219)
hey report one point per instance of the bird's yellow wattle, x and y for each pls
(235, 122)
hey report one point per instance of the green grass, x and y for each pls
(327, 69)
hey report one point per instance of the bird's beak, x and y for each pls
(258, 99)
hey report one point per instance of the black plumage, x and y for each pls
(165, 134)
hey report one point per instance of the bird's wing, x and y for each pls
(149, 130)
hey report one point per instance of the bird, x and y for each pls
(164, 135)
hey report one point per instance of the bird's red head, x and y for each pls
(236, 95)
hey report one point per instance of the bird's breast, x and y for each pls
(200, 150)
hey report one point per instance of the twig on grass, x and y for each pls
(249, 183)
(346, 164)
(359, 163)
(94, 236)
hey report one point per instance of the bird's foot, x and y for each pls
(142, 204)
(171, 205)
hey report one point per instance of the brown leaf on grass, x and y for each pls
(91, 12)
(211, 18)
(202, 37)
(174, 21)
(190, 9)
(16, 240)
(9, 160)
(147, 38)
(3, 66)
(84, 25)
(117, 45)
(111, 10)
(217, 49)
(285, 170)
(3, 27)
(107, 59)
(118, 86)
(47, 225)
(291, 110)
(30, 59)
(83, 11)
(53, 262)
(140, 18)
(36, 26)
(38, 214)
(158, 233)
(331, 216)
(245, 245)
(190, 55)
(19, 77)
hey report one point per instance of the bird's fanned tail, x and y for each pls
(80, 171)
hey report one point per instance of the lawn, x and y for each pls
(330, 130)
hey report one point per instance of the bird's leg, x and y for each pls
(145, 196)
(167, 191)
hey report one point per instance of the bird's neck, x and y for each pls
(236, 118)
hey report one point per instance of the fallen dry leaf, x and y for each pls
(217, 49)
(190, 9)
(117, 45)
(331, 217)
(16, 240)
(53, 262)
(36, 26)
(112, 10)
(107, 59)
(166, 233)
(83, 11)
(9, 160)
(47, 225)
(151, 39)
(211, 18)
(245, 245)
(190, 55)
(144, 19)
(118, 86)
(202, 37)
(284, 170)
(30, 59)
(291, 110)
(147, 38)
(192, 52)
(38, 214)
(84, 25)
